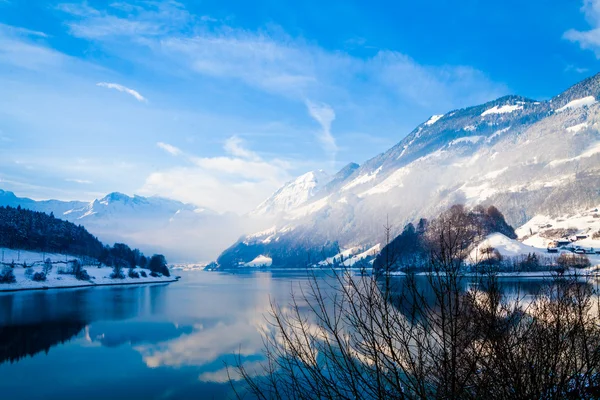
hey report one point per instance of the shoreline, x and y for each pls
(85, 285)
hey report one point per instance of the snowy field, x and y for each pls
(513, 248)
(99, 276)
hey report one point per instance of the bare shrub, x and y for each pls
(558, 233)
(372, 337)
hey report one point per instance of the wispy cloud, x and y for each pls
(588, 39)
(169, 148)
(22, 31)
(154, 19)
(234, 146)
(574, 68)
(123, 89)
(324, 115)
(80, 181)
(273, 61)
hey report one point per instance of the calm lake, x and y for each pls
(164, 341)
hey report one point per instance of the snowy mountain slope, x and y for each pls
(182, 232)
(293, 194)
(47, 206)
(526, 157)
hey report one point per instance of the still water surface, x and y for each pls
(165, 341)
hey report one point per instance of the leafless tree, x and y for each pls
(450, 337)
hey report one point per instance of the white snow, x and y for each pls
(583, 222)
(266, 232)
(99, 276)
(506, 246)
(585, 101)
(392, 181)
(495, 174)
(478, 193)
(466, 139)
(433, 119)
(502, 109)
(260, 261)
(591, 151)
(309, 208)
(497, 133)
(577, 128)
(361, 179)
(361, 256)
(294, 194)
(349, 257)
(469, 128)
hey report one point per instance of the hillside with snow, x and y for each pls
(524, 156)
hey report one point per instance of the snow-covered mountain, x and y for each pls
(293, 194)
(526, 157)
(183, 232)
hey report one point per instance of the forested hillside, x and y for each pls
(461, 226)
(22, 229)
(30, 230)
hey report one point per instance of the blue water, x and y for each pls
(165, 341)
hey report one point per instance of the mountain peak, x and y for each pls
(114, 197)
(294, 193)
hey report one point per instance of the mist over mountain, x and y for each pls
(526, 157)
(183, 232)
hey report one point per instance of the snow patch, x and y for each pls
(497, 133)
(392, 181)
(495, 174)
(505, 109)
(260, 261)
(585, 101)
(506, 246)
(433, 119)
(359, 180)
(591, 151)
(466, 139)
(577, 128)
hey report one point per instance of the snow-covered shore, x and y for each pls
(99, 276)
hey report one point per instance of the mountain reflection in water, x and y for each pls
(155, 341)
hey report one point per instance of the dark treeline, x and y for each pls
(23, 229)
(36, 231)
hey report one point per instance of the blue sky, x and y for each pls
(218, 103)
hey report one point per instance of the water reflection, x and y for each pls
(158, 341)
(33, 322)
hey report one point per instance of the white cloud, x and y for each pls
(17, 49)
(590, 39)
(80, 181)
(123, 89)
(237, 182)
(157, 18)
(234, 146)
(324, 115)
(273, 61)
(17, 30)
(169, 148)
